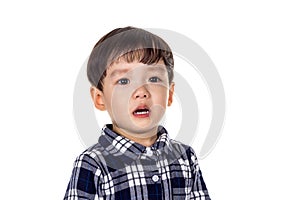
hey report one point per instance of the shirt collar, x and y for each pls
(118, 145)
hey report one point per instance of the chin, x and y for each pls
(140, 128)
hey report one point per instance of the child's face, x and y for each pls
(135, 95)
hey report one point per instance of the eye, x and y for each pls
(154, 79)
(123, 81)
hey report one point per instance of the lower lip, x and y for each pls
(141, 115)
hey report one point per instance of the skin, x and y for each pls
(131, 86)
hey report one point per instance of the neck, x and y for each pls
(146, 139)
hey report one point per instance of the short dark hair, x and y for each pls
(131, 44)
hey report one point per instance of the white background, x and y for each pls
(255, 46)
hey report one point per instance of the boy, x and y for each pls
(131, 72)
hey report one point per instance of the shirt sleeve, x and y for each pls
(84, 180)
(199, 190)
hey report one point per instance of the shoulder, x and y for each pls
(185, 154)
(93, 156)
(184, 151)
(179, 146)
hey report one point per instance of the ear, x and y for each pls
(98, 98)
(171, 93)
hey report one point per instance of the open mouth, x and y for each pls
(141, 112)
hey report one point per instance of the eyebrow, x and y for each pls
(157, 69)
(117, 72)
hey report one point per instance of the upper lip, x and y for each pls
(141, 107)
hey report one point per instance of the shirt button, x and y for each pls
(155, 178)
(149, 152)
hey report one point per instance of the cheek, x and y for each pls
(120, 100)
(159, 96)
(119, 103)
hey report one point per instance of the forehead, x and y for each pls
(123, 67)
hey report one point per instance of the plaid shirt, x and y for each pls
(118, 168)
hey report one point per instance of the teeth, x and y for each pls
(142, 112)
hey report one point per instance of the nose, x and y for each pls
(141, 93)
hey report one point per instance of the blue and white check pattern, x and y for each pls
(118, 168)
